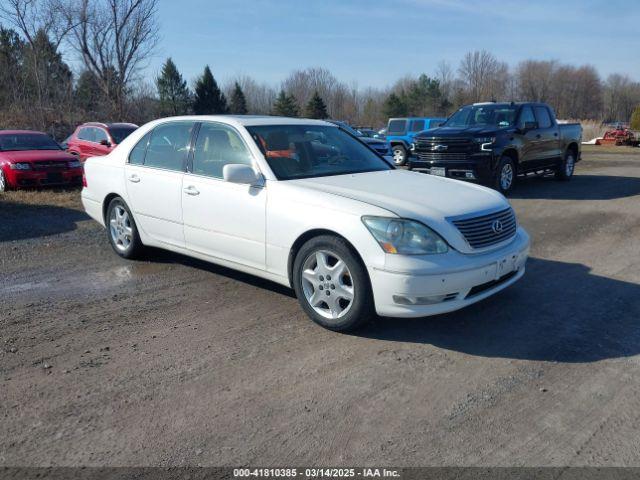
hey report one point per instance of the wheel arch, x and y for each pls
(513, 154)
(572, 147)
(308, 235)
(106, 202)
(395, 143)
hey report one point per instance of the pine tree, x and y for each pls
(286, 105)
(394, 106)
(174, 94)
(208, 100)
(316, 107)
(238, 103)
(635, 119)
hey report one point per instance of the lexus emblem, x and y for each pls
(497, 226)
(439, 148)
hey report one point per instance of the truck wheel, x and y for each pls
(332, 284)
(566, 167)
(505, 176)
(399, 155)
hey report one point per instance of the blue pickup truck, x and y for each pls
(401, 131)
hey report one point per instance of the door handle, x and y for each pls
(191, 190)
(134, 178)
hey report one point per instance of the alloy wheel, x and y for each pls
(327, 284)
(3, 182)
(120, 227)
(569, 165)
(398, 157)
(506, 176)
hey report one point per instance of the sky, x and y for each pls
(374, 42)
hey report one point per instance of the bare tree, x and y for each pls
(260, 96)
(115, 39)
(43, 26)
(484, 76)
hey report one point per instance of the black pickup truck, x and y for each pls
(492, 143)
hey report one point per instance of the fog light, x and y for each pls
(469, 175)
(430, 300)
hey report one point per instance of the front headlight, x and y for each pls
(405, 237)
(19, 166)
(485, 142)
(75, 164)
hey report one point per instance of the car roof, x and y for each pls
(109, 125)
(417, 118)
(250, 120)
(17, 132)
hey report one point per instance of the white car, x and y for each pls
(306, 205)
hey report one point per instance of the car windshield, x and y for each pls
(27, 141)
(120, 133)
(305, 151)
(483, 116)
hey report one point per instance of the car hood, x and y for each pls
(32, 156)
(429, 199)
(460, 131)
(410, 194)
(372, 141)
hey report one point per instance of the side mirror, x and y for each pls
(530, 126)
(240, 173)
(105, 142)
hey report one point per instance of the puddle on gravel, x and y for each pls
(84, 282)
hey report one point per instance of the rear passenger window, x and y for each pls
(218, 145)
(544, 120)
(417, 125)
(136, 157)
(169, 146)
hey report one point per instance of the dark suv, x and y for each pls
(492, 143)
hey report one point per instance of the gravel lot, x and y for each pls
(172, 361)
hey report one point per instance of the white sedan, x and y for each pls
(306, 205)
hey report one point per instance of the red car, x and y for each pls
(34, 159)
(97, 139)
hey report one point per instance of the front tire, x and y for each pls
(122, 230)
(332, 285)
(505, 176)
(567, 166)
(399, 155)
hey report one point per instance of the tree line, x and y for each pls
(63, 62)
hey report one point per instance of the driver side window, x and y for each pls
(218, 145)
(526, 116)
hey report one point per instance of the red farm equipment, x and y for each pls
(620, 135)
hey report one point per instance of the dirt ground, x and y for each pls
(173, 361)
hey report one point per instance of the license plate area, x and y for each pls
(506, 266)
(54, 177)
(438, 171)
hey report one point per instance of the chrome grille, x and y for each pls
(479, 231)
(445, 156)
(46, 165)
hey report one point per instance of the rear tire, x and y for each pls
(4, 184)
(505, 175)
(399, 155)
(332, 285)
(122, 230)
(567, 166)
